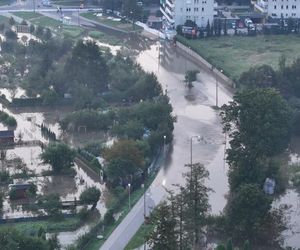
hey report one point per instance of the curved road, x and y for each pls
(195, 116)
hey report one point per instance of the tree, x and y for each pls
(190, 77)
(246, 211)
(163, 235)
(225, 27)
(132, 10)
(11, 35)
(12, 21)
(90, 196)
(39, 31)
(258, 122)
(87, 67)
(11, 239)
(52, 205)
(59, 156)
(1, 201)
(262, 76)
(48, 34)
(24, 22)
(195, 196)
(124, 158)
(208, 29)
(31, 28)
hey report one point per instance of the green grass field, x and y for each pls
(115, 24)
(139, 238)
(46, 22)
(4, 19)
(236, 54)
(5, 2)
(67, 224)
(104, 38)
(27, 15)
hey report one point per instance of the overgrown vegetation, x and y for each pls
(7, 120)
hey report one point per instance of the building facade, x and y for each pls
(176, 12)
(279, 8)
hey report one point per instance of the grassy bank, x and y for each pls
(95, 244)
(235, 54)
(27, 15)
(139, 238)
(67, 224)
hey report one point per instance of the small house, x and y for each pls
(19, 190)
(7, 137)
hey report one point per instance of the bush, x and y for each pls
(7, 120)
(83, 213)
(4, 176)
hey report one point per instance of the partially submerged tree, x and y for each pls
(90, 196)
(59, 156)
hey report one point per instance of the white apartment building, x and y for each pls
(278, 8)
(177, 12)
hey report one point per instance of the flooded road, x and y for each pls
(195, 117)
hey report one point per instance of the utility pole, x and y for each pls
(34, 6)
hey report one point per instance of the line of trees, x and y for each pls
(258, 123)
(179, 222)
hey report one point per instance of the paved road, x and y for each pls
(195, 116)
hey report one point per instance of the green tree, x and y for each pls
(48, 34)
(190, 77)
(246, 211)
(31, 28)
(90, 196)
(59, 156)
(1, 201)
(87, 67)
(163, 235)
(52, 205)
(124, 158)
(195, 196)
(39, 31)
(11, 239)
(11, 35)
(260, 76)
(132, 10)
(24, 22)
(258, 122)
(12, 21)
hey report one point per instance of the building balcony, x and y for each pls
(170, 3)
(167, 16)
(169, 11)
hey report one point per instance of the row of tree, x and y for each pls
(179, 222)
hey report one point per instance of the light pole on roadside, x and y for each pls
(129, 205)
(191, 147)
(78, 18)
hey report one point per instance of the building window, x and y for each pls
(282, 7)
(196, 9)
(287, 7)
(202, 8)
(274, 7)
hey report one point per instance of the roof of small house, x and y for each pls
(7, 134)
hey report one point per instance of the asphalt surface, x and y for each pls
(195, 117)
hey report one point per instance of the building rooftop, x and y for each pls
(7, 134)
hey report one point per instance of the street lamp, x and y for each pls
(191, 146)
(217, 89)
(165, 137)
(129, 196)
